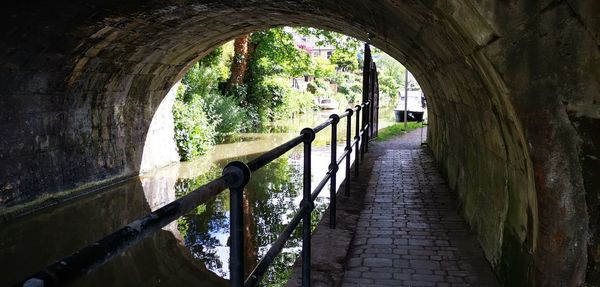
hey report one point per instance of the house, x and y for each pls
(309, 44)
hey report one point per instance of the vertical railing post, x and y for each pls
(308, 137)
(372, 101)
(376, 97)
(238, 176)
(348, 149)
(366, 127)
(358, 140)
(333, 167)
(366, 92)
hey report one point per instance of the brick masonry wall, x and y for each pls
(513, 91)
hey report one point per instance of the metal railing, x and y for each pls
(235, 176)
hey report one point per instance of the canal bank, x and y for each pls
(197, 243)
(194, 249)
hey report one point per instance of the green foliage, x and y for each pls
(290, 101)
(321, 88)
(349, 86)
(322, 68)
(389, 88)
(202, 115)
(201, 80)
(345, 60)
(225, 115)
(395, 130)
(276, 54)
(277, 99)
(324, 37)
(275, 59)
(391, 77)
(267, 94)
(194, 134)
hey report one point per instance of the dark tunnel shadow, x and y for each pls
(30, 243)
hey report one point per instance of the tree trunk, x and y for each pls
(250, 244)
(239, 65)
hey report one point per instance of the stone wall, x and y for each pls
(489, 168)
(548, 59)
(160, 148)
(513, 88)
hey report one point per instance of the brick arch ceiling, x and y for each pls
(82, 81)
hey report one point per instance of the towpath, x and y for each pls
(410, 232)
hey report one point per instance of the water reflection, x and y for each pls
(194, 249)
(30, 243)
(270, 200)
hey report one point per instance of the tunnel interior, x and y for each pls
(512, 88)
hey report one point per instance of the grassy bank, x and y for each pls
(395, 130)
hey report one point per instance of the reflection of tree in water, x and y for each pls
(268, 206)
(200, 227)
(272, 190)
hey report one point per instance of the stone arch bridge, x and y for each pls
(513, 89)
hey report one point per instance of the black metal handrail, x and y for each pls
(307, 205)
(235, 177)
(100, 252)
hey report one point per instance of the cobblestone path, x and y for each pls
(410, 232)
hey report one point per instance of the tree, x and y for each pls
(194, 131)
(202, 114)
(239, 63)
(345, 60)
(274, 57)
(323, 68)
(339, 41)
(391, 75)
(276, 54)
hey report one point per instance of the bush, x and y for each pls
(352, 92)
(323, 68)
(194, 134)
(202, 115)
(345, 60)
(323, 88)
(264, 96)
(225, 115)
(349, 87)
(200, 123)
(274, 99)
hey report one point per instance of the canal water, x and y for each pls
(192, 251)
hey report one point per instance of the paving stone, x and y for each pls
(377, 262)
(377, 275)
(354, 262)
(425, 264)
(410, 229)
(378, 241)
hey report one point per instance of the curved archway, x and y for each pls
(83, 90)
